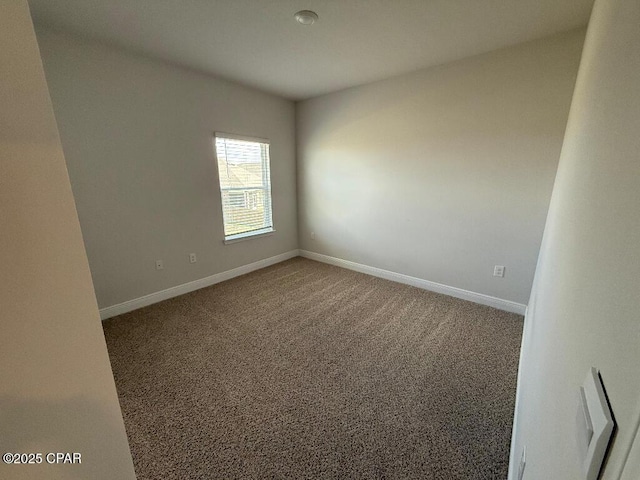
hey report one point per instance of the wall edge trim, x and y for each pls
(172, 292)
(480, 298)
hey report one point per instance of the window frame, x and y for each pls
(266, 187)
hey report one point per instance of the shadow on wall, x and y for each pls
(44, 426)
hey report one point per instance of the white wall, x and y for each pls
(137, 135)
(585, 304)
(443, 173)
(56, 387)
(632, 465)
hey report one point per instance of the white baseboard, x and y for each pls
(480, 298)
(514, 458)
(156, 297)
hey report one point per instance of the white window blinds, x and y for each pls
(245, 185)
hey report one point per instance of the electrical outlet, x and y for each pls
(523, 462)
(159, 265)
(192, 258)
(498, 271)
(313, 235)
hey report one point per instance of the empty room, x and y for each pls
(247, 239)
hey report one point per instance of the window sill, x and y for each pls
(248, 236)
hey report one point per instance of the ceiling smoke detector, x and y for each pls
(306, 17)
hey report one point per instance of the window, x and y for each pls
(245, 185)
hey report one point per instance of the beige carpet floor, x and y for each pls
(308, 371)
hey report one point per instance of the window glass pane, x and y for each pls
(245, 186)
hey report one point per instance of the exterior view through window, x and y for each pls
(245, 185)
